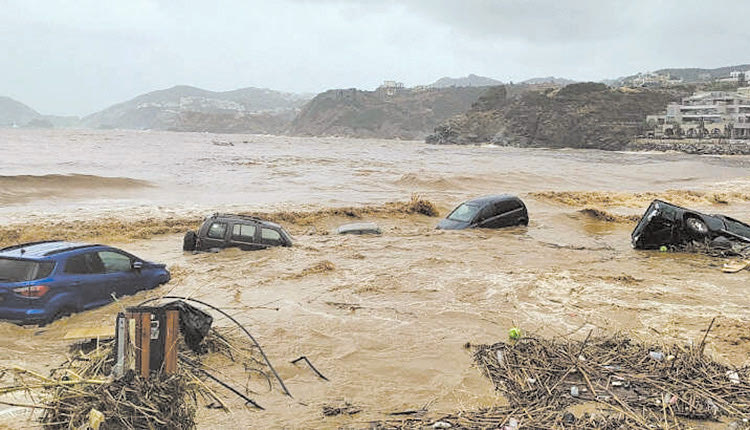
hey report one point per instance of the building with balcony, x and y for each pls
(717, 114)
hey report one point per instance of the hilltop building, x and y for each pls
(717, 114)
(390, 88)
(737, 76)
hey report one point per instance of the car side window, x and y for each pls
(87, 263)
(115, 262)
(217, 230)
(243, 233)
(270, 236)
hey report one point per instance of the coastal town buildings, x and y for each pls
(715, 114)
(737, 76)
(652, 80)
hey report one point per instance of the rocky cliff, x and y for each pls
(584, 115)
(383, 113)
(177, 108)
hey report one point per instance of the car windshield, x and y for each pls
(464, 213)
(13, 270)
(737, 228)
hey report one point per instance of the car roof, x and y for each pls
(247, 218)
(39, 250)
(493, 199)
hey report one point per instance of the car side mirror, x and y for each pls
(137, 265)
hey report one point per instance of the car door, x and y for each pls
(505, 213)
(484, 216)
(118, 268)
(215, 236)
(84, 275)
(245, 236)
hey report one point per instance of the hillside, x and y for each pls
(549, 80)
(168, 109)
(468, 81)
(401, 114)
(693, 75)
(13, 112)
(584, 115)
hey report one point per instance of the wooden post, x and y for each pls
(170, 341)
(143, 343)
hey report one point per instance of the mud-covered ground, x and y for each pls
(385, 318)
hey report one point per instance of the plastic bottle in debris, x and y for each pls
(656, 355)
(574, 391)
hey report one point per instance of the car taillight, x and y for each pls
(34, 292)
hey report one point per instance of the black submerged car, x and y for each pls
(495, 211)
(236, 231)
(667, 224)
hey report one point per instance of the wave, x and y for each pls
(427, 181)
(640, 200)
(22, 188)
(602, 215)
(116, 229)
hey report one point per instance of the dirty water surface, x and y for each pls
(385, 318)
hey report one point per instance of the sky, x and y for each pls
(75, 57)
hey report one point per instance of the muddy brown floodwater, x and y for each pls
(385, 318)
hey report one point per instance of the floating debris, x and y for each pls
(620, 374)
(345, 409)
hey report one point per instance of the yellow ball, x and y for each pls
(514, 333)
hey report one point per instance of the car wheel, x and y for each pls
(696, 226)
(189, 241)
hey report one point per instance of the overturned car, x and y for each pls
(665, 224)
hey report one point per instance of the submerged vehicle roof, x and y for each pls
(38, 250)
(492, 198)
(243, 218)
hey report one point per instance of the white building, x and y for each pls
(707, 114)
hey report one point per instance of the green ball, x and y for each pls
(514, 333)
(663, 248)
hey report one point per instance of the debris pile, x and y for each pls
(160, 402)
(651, 385)
(82, 392)
(508, 418)
(600, 383)
(720, 247)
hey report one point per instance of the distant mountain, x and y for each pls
(167, 109)
(549, 80)
(693, 75)
(388, 113)
(13, 112)
(468, 81)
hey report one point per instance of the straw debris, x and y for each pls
(649, 384)
(81, 390)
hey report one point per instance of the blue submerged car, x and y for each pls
(42, 281)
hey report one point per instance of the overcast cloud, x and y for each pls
(77, 57)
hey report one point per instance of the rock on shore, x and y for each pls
(693, 146)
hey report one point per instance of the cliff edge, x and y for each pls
(582, 115)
